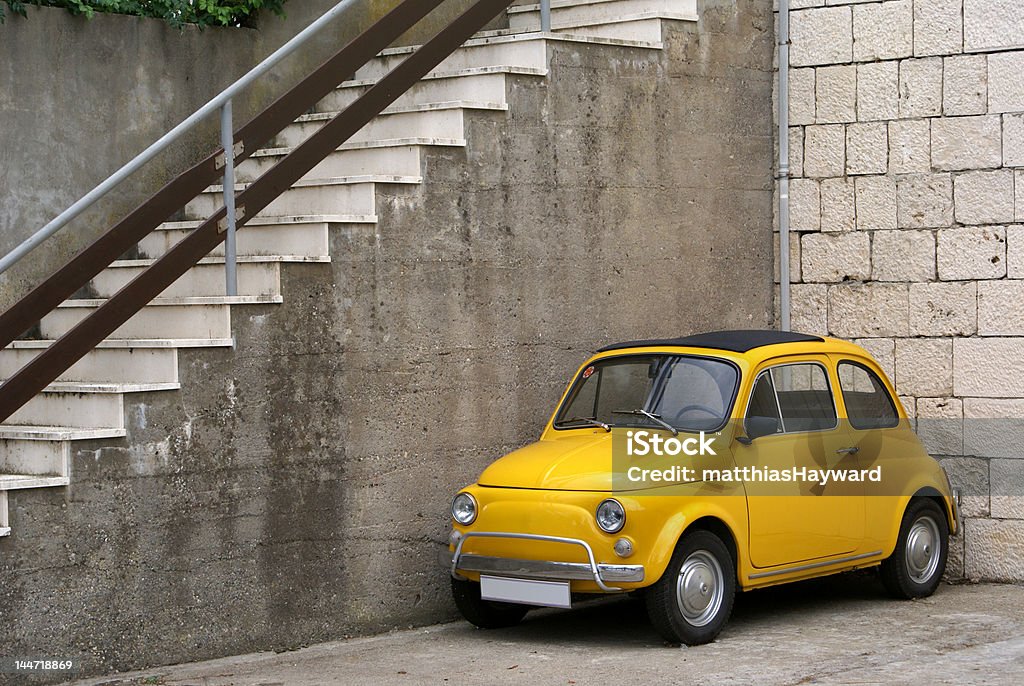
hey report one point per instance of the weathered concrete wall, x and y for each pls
(79, 98)
(297, 489)
(907, 145)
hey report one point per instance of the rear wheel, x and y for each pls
(693, 599)
(916, 565)
(486, 614)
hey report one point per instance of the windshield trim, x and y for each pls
(578, 380)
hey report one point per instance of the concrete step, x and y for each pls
(640, 27)
(395, 161)
(339, 195)
(79, 410)
(256, 276)
(483, 84)
(570, 14)
(189, 318)
(444, 120)
(305, 235)
(12, 482)
(522, 52)
(128, 365)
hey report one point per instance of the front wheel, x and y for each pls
(486, 614)
(916, 565)
(692, 600)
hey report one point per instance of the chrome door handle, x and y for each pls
(847, 451)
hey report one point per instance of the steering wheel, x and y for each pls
(699, 408)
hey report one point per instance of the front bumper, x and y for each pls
(541, 569)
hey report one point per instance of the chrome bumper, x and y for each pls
(540, 569)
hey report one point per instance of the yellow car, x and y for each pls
(686, 469)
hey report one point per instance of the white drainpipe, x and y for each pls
(784, 301)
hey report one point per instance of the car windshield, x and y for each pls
(689, 393)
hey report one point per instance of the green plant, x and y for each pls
(176, 12)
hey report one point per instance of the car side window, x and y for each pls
(868, 403)
(801, 395)
(763, 402)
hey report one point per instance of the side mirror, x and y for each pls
(758, 426)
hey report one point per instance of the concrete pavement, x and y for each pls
(840, 630)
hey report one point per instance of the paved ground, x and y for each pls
(832, 631)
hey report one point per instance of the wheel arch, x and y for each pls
(933, 494)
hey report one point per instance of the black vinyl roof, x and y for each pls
(739, 341)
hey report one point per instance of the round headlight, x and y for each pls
(610, 516)
(464, 508)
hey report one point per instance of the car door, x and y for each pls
(800, 519)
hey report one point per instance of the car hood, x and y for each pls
(569, 463)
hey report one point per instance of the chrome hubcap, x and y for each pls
(699, 588)
(923, 548)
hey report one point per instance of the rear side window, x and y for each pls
(868, 403)
(799, 394)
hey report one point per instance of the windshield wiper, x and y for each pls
(588, 420)
(656, 418)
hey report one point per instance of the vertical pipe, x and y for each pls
(545, 15)
(227, 141)
(784, 299)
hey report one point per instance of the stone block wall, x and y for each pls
(907, 204)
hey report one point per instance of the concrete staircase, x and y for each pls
(87, 402)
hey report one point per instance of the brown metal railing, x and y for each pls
(77, 273)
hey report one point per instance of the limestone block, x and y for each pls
(809, 308)
(972, 252)
(944, 309)
(938, 27)
(1013, 140)
(867, 148)
(924, 201)
(903, 255)
(876, 202)
(983, 197)
(1001, 309)
(993, 427)
(965, 85)
(993, 25)
(966, 142)
(801, 96)
(825, 150)
(838, 212)
(994, 548)
(821, 36)
(921, 87)
(940, 425)
(909, 146)
(878, 91)
(989, 368)
(883, 31)
(835, 257)
(870, 310)
(924, 367)
(1005, 82)
(804, 205)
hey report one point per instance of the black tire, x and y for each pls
(915, 567)
(701, 566)
(486, 614)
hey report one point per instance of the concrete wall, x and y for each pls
(79, 98)
(908, 155)
(297, 489)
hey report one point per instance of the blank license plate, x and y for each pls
(525, 591)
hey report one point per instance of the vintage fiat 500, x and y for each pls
(686, 469)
